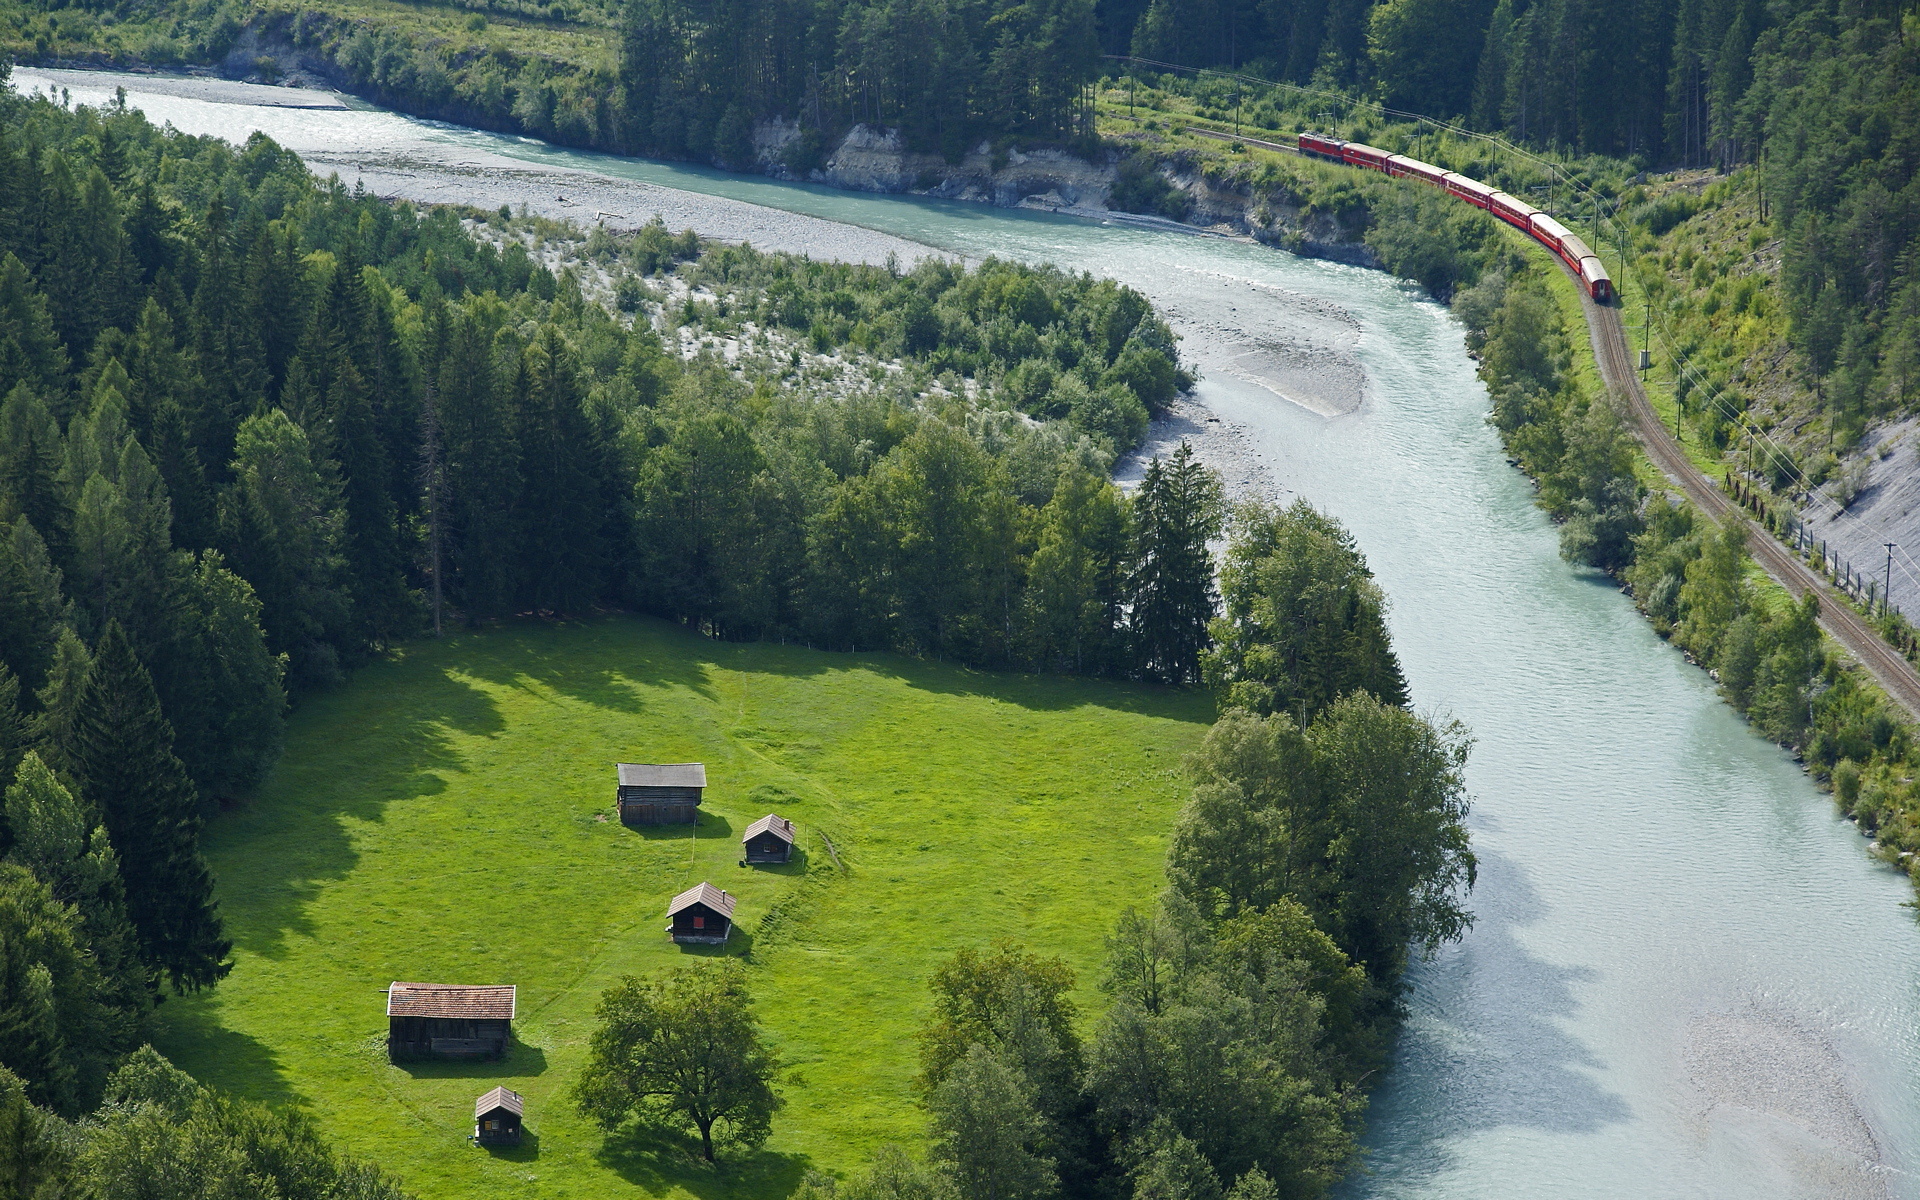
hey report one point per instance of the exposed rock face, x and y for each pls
(871, 159)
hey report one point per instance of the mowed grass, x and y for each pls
(444, 817)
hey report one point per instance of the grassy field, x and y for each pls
(444, 818)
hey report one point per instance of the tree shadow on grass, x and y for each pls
(1036, 693)
(190, 1034)
(384, 737)
(603, 661)
(657, 1158)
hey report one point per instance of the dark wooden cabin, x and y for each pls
(660, 793)
(702, 915)
(496, 1118)
(445, 1020)
(769, 840)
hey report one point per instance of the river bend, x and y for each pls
(1686, 978)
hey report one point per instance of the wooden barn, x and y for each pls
(660, 793)
(496, 1118)
(768, 840)
(446, 1020)
(702, 915)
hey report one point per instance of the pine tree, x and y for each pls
(26, 636)
(227, 696)
(30, 349)
(282, 528)
(121, 748)
(562, 555)
(31, 455)
(15, 733)
(1176, 513)
(482, 460)
(51, 833)
(59, 700)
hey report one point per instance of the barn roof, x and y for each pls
(703, 893)
(772, 823)
(663, 774)
(497, 1098)
(455, 1000)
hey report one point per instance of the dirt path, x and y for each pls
(1847, 627)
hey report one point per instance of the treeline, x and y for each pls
(1324, 841)
(161, 1136)
(698, 80)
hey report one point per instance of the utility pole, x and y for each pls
(1886, 594)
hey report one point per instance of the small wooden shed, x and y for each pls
(448, 1020)
(768, 840)
(660, 793)
(496, 1118)
(702, 914)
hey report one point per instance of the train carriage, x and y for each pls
(1549, 232)
(1511, 209)
(1413, 168)
(1586, 264)
(1471, 190)
(1362, 155)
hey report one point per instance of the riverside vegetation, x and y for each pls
(260, 434)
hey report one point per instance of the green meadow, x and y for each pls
(446, 816)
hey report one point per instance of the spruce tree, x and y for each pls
(30, 349)
(1176, 513)
(31, 454)
(59, 699)
(562, 554)
(26, 635)
(51, 833)
(15, 734)
(121, 750)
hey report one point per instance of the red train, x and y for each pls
(1515, 212)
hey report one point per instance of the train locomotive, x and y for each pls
(1542, 228)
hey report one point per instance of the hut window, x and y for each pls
(699, 922)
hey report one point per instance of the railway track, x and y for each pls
(1893, 672)
(1847, 627)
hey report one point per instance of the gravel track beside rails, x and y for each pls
(1837, 617)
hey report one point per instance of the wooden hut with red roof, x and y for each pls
(702, 915)
(448, 1020)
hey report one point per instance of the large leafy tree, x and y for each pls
(686, 1048)
(1304, 621)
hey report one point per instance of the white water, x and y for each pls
(1686, 978)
